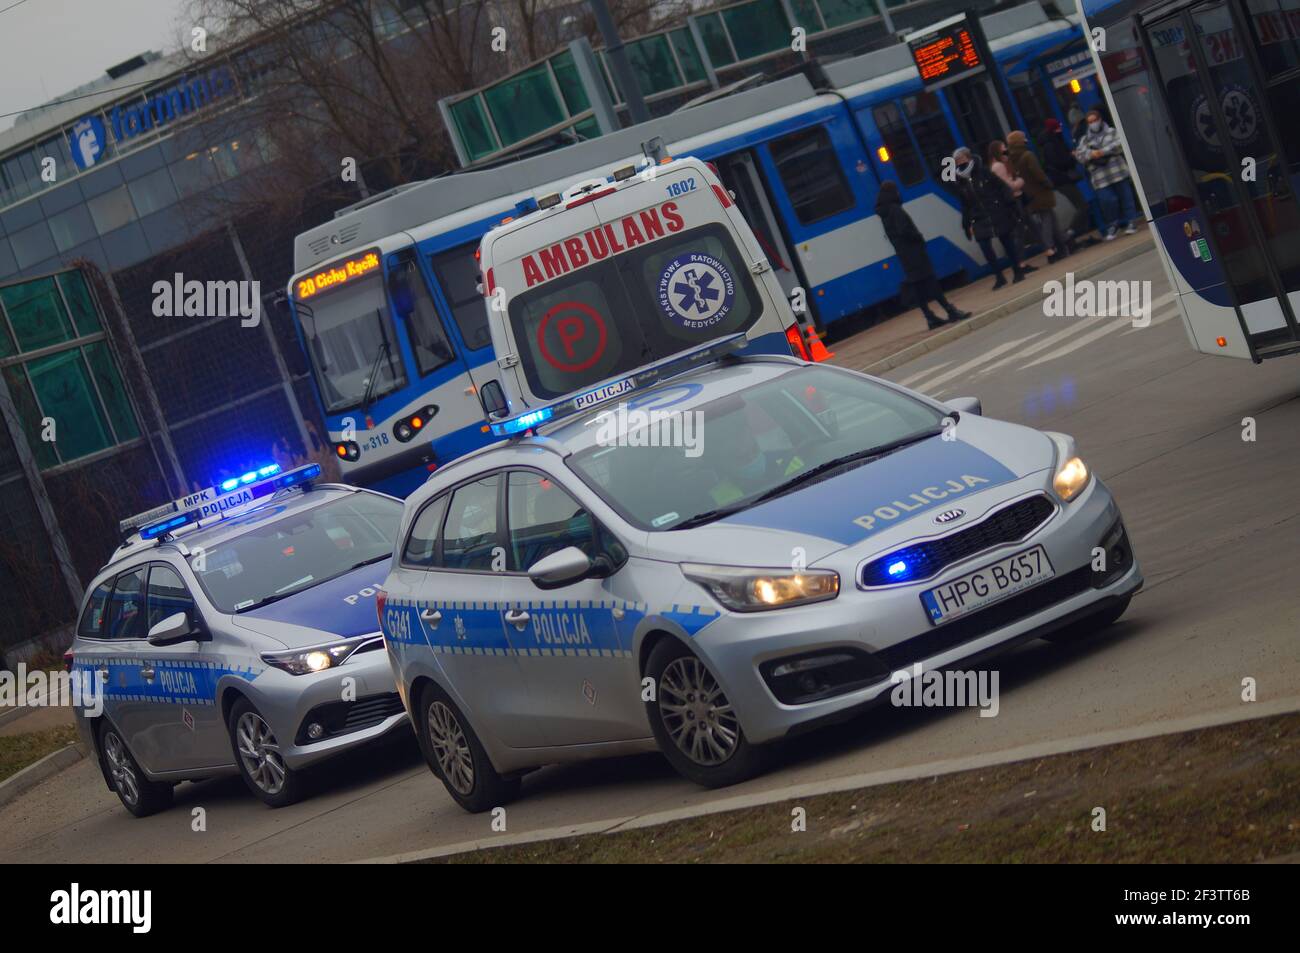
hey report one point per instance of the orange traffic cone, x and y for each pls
(816, 348)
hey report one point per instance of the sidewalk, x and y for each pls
(905, 337)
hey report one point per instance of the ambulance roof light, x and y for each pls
(525, 207)
(624, 173)
(549, 201)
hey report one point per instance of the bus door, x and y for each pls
(1222, 111)
(739, 173)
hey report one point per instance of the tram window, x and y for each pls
(1033, 102)
(930, 129)
(811, 173)
(1273, 25)
(428, 339)
(458, 276)
(902, 154)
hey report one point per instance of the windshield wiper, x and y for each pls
(367, 562)
(267, 600)
(374, 375)
(709, 516)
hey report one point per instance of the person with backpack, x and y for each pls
(988, 209)
(1039, 192)
(1102, 154)
(909, 245)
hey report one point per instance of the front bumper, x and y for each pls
(355, 703)
(870, 634)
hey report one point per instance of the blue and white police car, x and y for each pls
(234, 630)
(722, 551)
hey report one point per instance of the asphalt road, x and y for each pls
(1214, 520)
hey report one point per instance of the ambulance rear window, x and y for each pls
(621, 312)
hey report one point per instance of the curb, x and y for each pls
(1256, 710)
(939, 339)
(34, 774)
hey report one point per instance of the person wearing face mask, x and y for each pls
(1102, 154)
(988, 208)
(747, 468)
(1000, 167)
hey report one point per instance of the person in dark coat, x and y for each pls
(1065, 172)
(988, 208)
(909, 245)
(1039, 191)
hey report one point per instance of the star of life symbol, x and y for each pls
(698, 287)
(696, 290)
(460, 627)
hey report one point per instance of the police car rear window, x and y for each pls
(599, 319)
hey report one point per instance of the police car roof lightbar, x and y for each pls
(225, 499)
(638, 380)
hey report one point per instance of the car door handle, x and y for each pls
(147, 673)
(517, 617)
(432, 616)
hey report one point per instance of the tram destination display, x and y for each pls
(948, 51)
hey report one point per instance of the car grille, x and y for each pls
(340, 718)
(983, 621)
(1007, 525)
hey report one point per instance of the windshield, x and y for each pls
(346, 332)
(630, 309)
(275, 558)
(745, 446)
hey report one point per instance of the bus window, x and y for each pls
(428, 338)
(347, 332)
(902, 154)
(457, 274)
(930, 129)
(811, 173)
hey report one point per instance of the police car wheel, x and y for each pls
(1089, 626)
(457, 757)
(261, 763)
(693, 720)
(137, 793)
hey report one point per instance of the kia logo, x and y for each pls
(947, 516)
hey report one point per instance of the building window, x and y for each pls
(65, 385)
(112, 210)
(811, 174)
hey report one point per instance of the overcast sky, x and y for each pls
(47, 47)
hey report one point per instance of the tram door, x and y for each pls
(739, 173)
(1219, 104)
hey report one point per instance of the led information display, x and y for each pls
(947, 52)
(337, 274)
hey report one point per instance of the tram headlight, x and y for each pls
(406, 428)
(348, 450)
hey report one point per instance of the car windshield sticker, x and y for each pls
(696, 290)
(571, 336)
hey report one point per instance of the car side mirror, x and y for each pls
(966, 405)
(175, 628)
(561, 568)
(493, 399)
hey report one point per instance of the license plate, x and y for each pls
(977, 589)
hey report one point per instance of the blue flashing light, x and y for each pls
(525, 206)
(302, 475)
(523, 422)
(166, 526)
(271, 469)
(898, 568)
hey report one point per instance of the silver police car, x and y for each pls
(726, 557)
(235, 630)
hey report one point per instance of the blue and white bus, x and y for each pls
(386, 294)
(1210, 134)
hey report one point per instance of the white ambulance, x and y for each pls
(620, 272)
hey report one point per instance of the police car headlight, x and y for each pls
(1072, 476)
(752, 590)
(309, 661)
